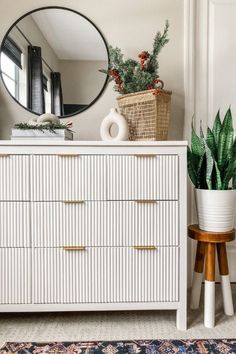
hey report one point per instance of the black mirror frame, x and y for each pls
(78, 13)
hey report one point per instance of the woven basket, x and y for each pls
(147, 115)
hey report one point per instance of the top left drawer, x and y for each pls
(14, 177)
(68, 177)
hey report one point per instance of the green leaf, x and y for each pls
(201, 131)
(217, 127)
(197, 144)
(233, 150)
(191, 168)
(210, 141)
(218, 177)
(197, 157)
(209, 167)
(225, 141)
(202, 173)
(234, 181)
(212, 161)
(230, 172)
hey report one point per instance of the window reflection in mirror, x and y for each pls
(10, 73)
(50, 61)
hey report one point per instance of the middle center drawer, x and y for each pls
(108, 223)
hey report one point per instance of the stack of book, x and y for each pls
(45, 134)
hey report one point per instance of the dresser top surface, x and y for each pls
(94, 143)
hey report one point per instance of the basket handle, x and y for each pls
(160, 84)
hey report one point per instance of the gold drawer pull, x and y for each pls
(142, 201)
(73, 201)
(145, 155)
(142, 248)
(68, 155)
(5, 155)
(74, 248)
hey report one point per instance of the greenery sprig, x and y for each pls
(49, 126)
(131, 75)
(212, 159)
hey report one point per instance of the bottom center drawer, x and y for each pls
(105, 275)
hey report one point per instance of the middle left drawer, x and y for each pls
(15, 224)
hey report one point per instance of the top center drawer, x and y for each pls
(104, 177)
(68, 177)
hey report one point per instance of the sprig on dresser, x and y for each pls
(49, 126)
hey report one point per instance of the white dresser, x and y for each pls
(93, 226)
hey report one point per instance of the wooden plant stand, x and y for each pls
(208, 243)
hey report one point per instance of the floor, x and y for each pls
(113, 325)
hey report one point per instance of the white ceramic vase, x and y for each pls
(114, 118)
(215, 209)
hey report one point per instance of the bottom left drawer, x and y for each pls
(15, 275)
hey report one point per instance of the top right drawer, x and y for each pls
(142, 177)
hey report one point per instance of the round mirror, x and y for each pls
(50, 61)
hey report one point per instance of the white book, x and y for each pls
(58, 134)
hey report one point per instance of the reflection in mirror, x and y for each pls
(50, 61)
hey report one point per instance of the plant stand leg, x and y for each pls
(209, 302)
(197, 276)
(225, 280)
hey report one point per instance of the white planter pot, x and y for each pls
(215, 209)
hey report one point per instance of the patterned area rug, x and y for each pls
(203, 346)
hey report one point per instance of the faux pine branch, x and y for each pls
(49, 126)
(212, 159)
(137, 75)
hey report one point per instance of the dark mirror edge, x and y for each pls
(78, 13)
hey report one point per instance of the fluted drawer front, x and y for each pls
(15, 276)
(14, 224)
(143, 177)
(108, 275)
(154, 223)
(14, 177)
(68, 177)
(59, 224)
(113, 223)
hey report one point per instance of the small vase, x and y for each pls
(215, 209)
(114, 118)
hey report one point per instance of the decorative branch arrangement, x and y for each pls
(133, 76)
(42, 127)
(212, 159)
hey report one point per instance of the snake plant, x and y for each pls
(212, 158)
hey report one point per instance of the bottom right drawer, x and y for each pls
(106, 275)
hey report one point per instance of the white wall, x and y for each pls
(130, 25)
